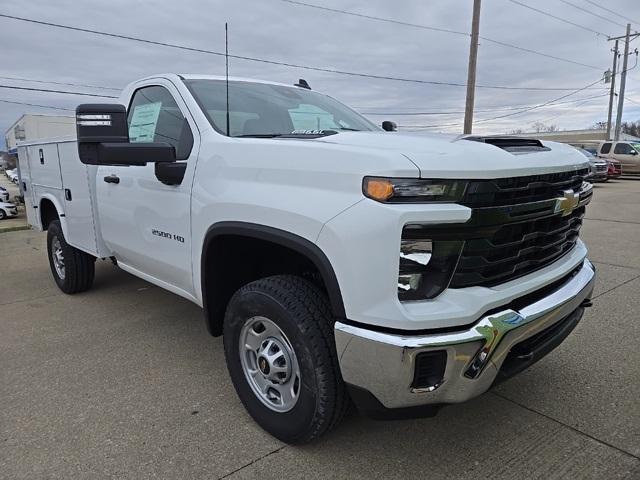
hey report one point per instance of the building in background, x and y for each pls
(31, 127)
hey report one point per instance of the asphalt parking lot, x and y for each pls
(124, 382)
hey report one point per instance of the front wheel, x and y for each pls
(72, 269)
(2, 214)
(281, 356)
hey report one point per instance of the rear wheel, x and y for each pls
(2, 214)
(72, 269)
(281, 356)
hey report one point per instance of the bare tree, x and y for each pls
(539, 127)
(631, 128)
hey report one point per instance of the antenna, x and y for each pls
(226, 58)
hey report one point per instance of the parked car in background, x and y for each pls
(4, 195)
(7, 210)
(627, 153)
(12, 175)
(614, 168)
(597, 165)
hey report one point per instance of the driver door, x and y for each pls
(145, 222)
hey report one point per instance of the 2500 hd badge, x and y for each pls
(160, 233)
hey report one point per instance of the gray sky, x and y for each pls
(273, 29)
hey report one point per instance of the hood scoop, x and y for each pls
(515, 145)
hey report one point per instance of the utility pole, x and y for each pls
(623, 81)
(471, 74)
(612, 93)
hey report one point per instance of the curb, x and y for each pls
(14, 229)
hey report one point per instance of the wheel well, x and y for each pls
(48, 213)
(231, 260)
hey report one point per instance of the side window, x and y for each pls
(623, 149)
(606, 148)
(154, 116)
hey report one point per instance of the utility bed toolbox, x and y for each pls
(51, 171)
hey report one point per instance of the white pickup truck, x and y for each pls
(341, 262)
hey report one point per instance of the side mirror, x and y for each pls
(389, 126)
(103, 138)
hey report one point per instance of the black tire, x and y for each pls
(2, 214)
(301, 311)
(79, 267)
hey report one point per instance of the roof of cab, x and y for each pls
(199, 76)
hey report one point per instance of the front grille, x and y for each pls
(516, 249)
(518, 229)
(601, 168)
(510, 191)
(517, 226)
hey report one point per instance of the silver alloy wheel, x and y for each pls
(269, 364)
(58, 257)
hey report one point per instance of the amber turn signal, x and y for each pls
(379, 189)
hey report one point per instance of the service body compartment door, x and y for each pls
(77, 199)
(44, 165)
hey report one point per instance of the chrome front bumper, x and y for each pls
(383, 363)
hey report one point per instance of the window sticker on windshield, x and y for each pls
(144, 121)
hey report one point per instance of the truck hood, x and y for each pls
(446, 156)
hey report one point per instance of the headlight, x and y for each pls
(426, 266)
(412, 190)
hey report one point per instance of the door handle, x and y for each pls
(112, 179)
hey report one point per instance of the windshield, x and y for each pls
(264, 110)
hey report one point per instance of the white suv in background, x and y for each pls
(627, 153)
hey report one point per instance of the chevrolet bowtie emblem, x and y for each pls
(567, 202)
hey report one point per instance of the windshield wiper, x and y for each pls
(322, 133)
(259, 135)
(348, 129)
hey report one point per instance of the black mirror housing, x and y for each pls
(103, 138)
(135, 153)
(389, 126)
(96, 122)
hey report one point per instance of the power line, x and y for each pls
(13, 87)
(516, 107)
(540, 105)
(380, 19)
(583, 10)
(632, 101)
(611, 11)
(437, 29)
(565, 112)
(569, 22)
(36, 105)
(274, 62)
(99, 87)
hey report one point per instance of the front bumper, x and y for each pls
(382, 364)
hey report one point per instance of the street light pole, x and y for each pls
(471, 74)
